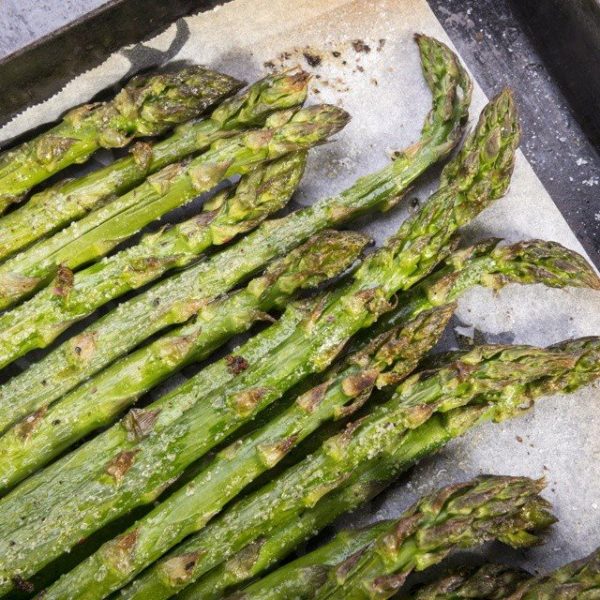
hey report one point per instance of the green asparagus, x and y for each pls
(487, 508)
(40, 437)
(147, 105)
(55, 207)
(130, 477)
(579, 580)
(489, 582)
(72, 297)
(187, 510)
(99, 232)
(491, 383)
(178, 298)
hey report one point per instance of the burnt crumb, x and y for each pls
(236, 364)
(269, 64)
(374, 81)
(23, 585)
(381, 44)
(285, 56)
(336, 53)
(44, 382)
(77, 349)
(519, 439)
(156, 301)
(344, 62)
(479, 36)
(313, 60)
(316, 91)
(360, 46)
(360, 68)
(56, 422)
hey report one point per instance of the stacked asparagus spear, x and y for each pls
(225, 453)
(145, 106)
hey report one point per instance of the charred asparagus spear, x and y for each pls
(502, 382)
(488, 582)
(99, 232)
(404, 260)
(508, 509)
(579, 580)
(55, 207)
(98, 402)
(147, 105)
(389, 357)
(178, 298)
(505, 508)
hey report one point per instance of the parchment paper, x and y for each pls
(375, 75)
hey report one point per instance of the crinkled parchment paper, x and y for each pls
(364, 59)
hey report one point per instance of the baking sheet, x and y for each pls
(377, 78)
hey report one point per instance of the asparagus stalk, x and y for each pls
(579, 580)
(492, 265)
(490, 581)
(489, 383)
(72, 297)
(178, 298)
(309, 349)
(188, 509)
(147, 105)
(98, 233)
(40, 437)
(508, 509)
(49, 210)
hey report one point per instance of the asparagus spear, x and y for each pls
(178, 298)
(489, 582)
(309, 349)
(49, 210)
(147, 105)
(98, 233)
(492, 265)
(187, 510)
(40, 437)
(508, 509)
(72, 297)
(310, 495)
(579, 580)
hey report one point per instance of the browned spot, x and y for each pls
(142, 154)
(360, 46)
(51, 148)
(84, 345)
(273, 453)
(29, 423)
(402, 530)
(347, 566)
(387, 584)
(356, 384)
(243, 562)
(180, 568)
(139, 422)
(121, 551)
(311, 399)
(245, 402)
(236, 364)
(463, 370)
(118, 466)
(23, 585)
(63, 283)
(205, 218)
